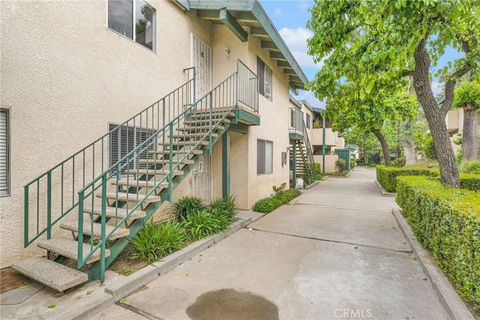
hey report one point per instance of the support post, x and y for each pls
(324, 149)
(226, 164)
(294, 163)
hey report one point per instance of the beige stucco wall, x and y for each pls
(454, 120)
(316, 137)
(65, 84)
(329, 162)
(65, 76)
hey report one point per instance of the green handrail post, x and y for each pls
(81, 196)
(170, 164)
(49, 204)
(210, 147)
(294, 163)
(103, 228)
(25, 216)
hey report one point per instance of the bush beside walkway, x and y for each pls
(447, 222)
(387, 176)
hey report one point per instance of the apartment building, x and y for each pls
(126, 107)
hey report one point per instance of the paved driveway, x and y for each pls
(336, 254)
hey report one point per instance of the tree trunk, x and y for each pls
(409, 144)
(435, 117)
(365, 156)
(384, 144)
(471, 134)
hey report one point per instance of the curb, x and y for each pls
(384, 192)
(450, 300)
(125, 286)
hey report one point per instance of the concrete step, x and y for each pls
(132, 197)
(97, 229)
(195, 135)
(50, 273)
(179, 152)
(150, 172)
(112, 212)
(69, 248)
(184, 143)
(164, 161)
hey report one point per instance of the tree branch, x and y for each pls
(450, 87)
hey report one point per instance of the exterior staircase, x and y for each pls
(160, 146)
(301, 155)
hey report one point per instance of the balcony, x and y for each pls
(331, 137)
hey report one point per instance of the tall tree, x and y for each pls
(467, 97)
(386, 105)
(367, 41)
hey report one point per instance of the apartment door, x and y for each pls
(202, 61)
(202, 179)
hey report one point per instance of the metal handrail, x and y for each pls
(220, 101)
(74, 172)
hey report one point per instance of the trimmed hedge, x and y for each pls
(447, 222)
(267, 205)
(387, 177)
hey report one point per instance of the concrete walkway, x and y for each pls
(336, 254)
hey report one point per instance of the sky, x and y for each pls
(290, 18)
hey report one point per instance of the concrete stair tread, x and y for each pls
(112, 212)
(151, 172)
(69, 248)
(199, 134)
(184, 143)
(50, 273)
(196, 151)
(97, 229)
(126, 196)
(164, 161)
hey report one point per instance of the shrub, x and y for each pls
(269, 204)
(470, 167)
(446, 221)
(340, 164)
(200, 224)
(186, 205)
(353, 163)
(399, 162)
(155, 241)
(224, 206)
(387, 176)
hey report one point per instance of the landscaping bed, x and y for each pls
(281, 196)
(387, 176)
(447, 222)
(193, 221)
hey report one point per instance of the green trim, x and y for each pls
(226, 164)
(295, 136)
(239, 127)
(241, 10)
(245, 117)
(294, 169)
(233, 24)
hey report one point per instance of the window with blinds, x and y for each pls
(124, 140)
(264, 74)
(264, 156)
(4, 153)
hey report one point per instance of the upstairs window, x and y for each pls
(264, 74)
(308, 120)
(135, 19)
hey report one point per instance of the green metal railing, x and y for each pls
(308, 145)
(52, 195)
(162, 155)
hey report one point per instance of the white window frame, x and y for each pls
(134, 35)
(7, 193)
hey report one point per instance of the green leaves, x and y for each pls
(467, 94)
